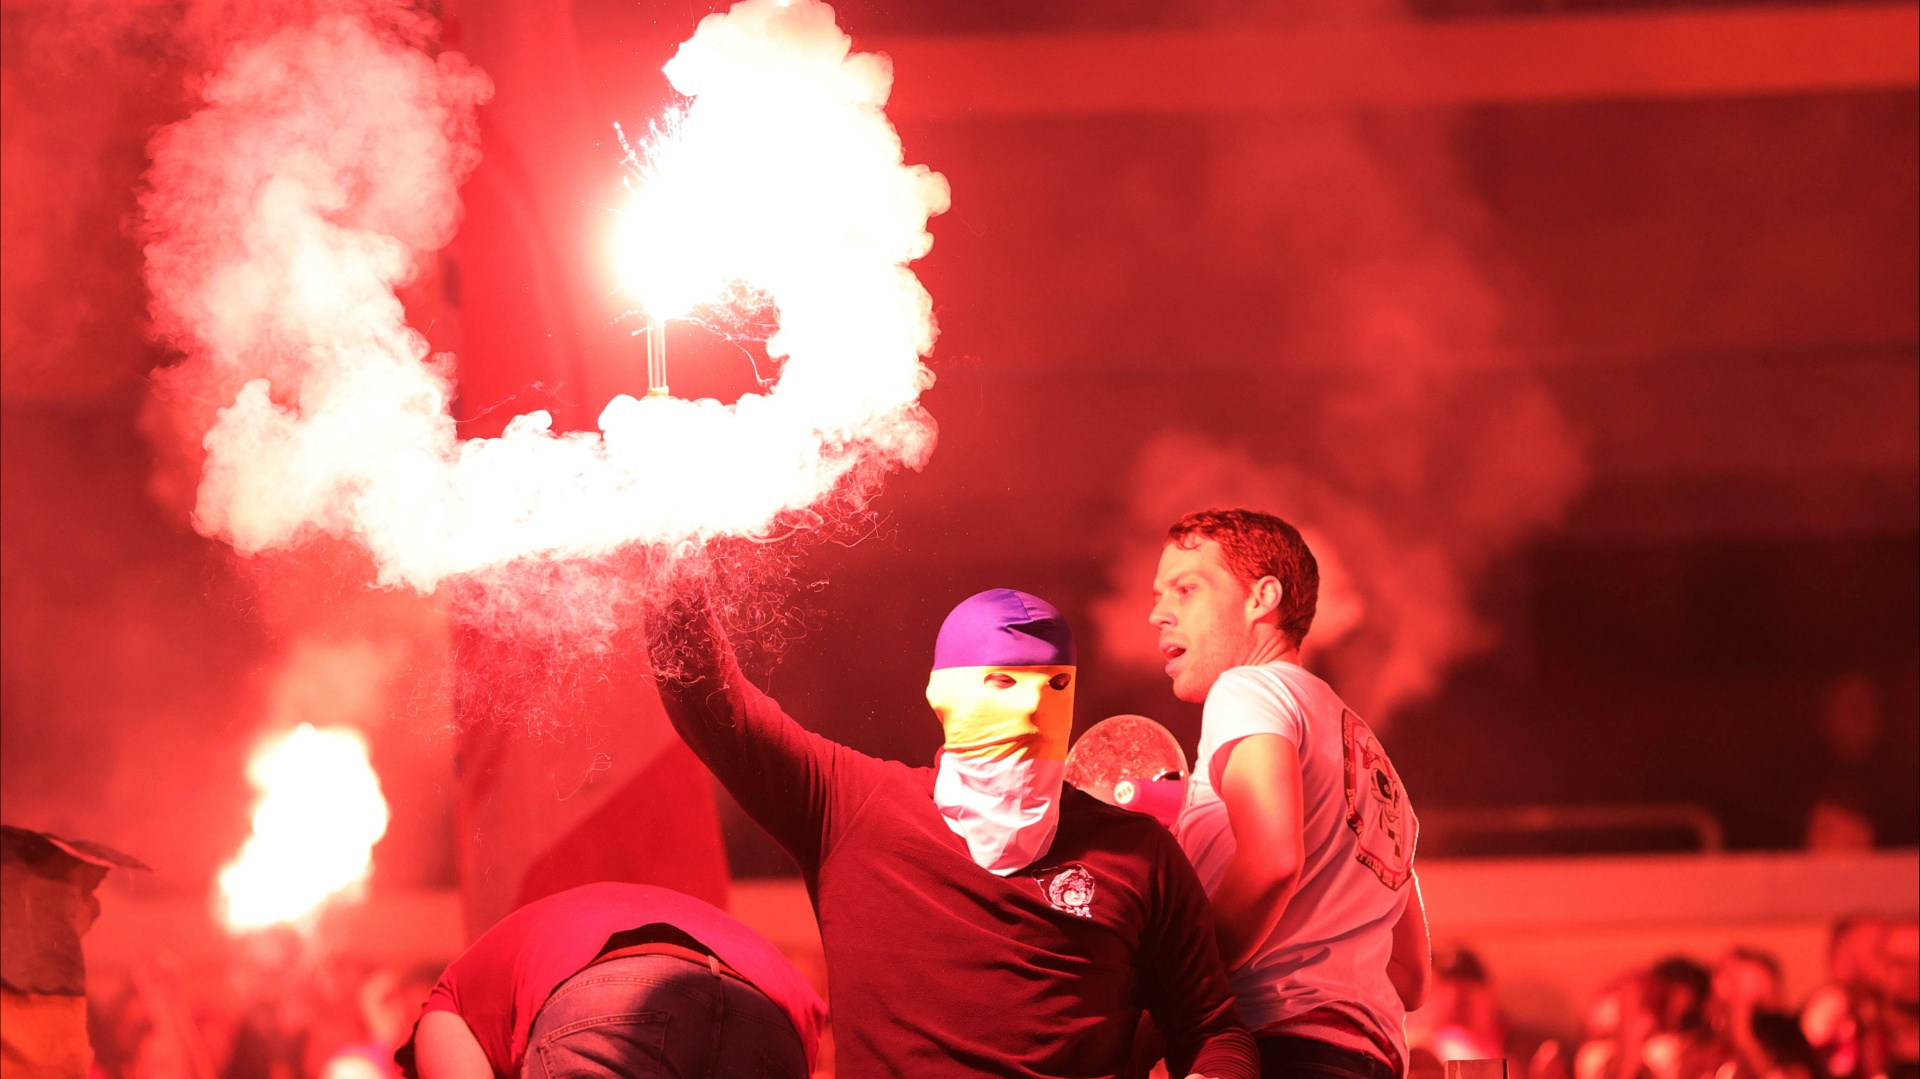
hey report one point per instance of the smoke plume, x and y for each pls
(282, 216)
(1408, 446)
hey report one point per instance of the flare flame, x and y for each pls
(320, 813)
(282, 216)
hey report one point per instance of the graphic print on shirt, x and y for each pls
(1377, 808)
(1068, 888)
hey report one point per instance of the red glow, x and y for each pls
(319, 815)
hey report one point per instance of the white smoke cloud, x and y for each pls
(1406, 589)
(283, 215)
(1423, 451)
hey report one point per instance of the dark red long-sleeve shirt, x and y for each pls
(935, 966)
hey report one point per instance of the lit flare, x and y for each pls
(283, 214)
(319, 815)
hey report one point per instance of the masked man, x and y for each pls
(1295, 818)
(979, 917)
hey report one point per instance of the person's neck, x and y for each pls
(1269, 645)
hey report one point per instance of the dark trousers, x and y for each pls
(661, 1017)
(1287, 1057)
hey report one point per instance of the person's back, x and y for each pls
(586, 982)
(1333, 942)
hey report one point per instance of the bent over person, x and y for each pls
(625, 981)
(979, 917)
(1295, 818)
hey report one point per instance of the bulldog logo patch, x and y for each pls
(1068, 889)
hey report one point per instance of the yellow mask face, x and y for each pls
(994, 712)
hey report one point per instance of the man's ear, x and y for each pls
(1264, 598)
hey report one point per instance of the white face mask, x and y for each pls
(998, 781)
(1006, 809)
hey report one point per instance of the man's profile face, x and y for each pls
(1201, 610)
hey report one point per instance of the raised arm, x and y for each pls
(783, 775)
(1184, 982)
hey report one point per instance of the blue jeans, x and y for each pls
(648, 1016)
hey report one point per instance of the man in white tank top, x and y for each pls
(1295, 819)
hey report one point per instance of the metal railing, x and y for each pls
(1449, 827)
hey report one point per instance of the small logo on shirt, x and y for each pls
(1069, 890)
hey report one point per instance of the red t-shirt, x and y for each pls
(499, 984)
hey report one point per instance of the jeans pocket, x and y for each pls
(627, 1045)
(776, 1066)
